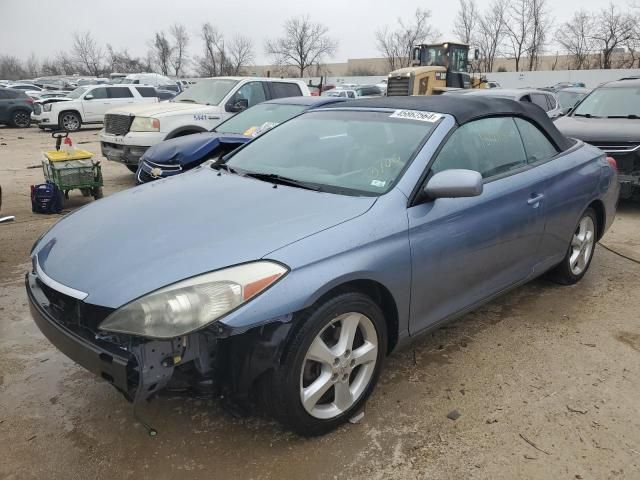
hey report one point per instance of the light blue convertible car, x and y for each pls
(288, 270)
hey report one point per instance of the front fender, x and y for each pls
(373, 246)
(185, 130)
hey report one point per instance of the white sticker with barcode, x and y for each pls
(416, 115)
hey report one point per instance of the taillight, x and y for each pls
(29, 100)
(613, 163)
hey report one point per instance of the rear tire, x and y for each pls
(132, 168)
(576, 262)
(21, 119)
(339, 348)
(97, 193)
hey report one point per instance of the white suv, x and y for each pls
(130, 130)
(88, 105)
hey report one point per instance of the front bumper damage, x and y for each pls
(129, 155)
(230, 360)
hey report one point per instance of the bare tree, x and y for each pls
(32, 66)
(86, 54)
(11, 68)
(209, 64)
(612, 30)
(574, 37)
(303, 44)
(123, 62)
(65, 64)
(540, 27)
(466, 21)
(178, 56)
(518, 28)
(241, 54)
(162, 51)
(491, 32)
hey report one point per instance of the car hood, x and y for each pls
(190, 148)
(134, 242)
(162, 108)
(600, 129)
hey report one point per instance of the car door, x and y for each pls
(5, 102)
(96, 102)
(466, 250)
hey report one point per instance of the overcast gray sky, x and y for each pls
(45, 26)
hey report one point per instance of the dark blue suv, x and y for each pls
(15, 108)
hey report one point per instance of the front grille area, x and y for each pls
(72, 313)
(117, 124)
(398, 87)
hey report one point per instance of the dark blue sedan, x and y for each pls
(178, 155)
(288, 270)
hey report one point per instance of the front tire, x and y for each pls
(330, 366)
(576, 262)
(69, 121)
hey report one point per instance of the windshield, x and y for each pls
(569, 99)
(611, 102)
(77, 93)
(335, 93)
(258, 119)
(207, 92)
(434, 56)
(342, 151)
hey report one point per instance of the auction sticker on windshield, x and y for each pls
(416, 115)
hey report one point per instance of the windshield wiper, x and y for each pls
(223, 166)
(587, 115)
(188, 100)
(631, 116)
(278, 179)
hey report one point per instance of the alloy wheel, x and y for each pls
(582, 245)
(70, 122)
(21, 119)
(338, 366)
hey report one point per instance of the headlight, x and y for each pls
(145, 124)
(47, 107)
(192, 304)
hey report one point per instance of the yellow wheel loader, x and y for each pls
(435, 69)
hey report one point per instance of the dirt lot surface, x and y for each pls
(546, 379)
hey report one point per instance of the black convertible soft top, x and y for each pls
(464, 109)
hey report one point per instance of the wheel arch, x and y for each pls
(601, 216)
(379, 294)
(186, 130)
(70, 110)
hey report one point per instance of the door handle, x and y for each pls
(537, 198)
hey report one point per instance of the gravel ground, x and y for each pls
(546, 380)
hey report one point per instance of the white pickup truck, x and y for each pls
(130, 130)
(89, 104)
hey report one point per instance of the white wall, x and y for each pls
(592, 78)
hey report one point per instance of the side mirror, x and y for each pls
(88, 97)
(238, 105)
(454, 184)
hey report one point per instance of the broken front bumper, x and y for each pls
(138, 370)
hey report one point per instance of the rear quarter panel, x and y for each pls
(574, 181)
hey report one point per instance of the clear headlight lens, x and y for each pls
(47, 107)
(192, 304)
(145, 124)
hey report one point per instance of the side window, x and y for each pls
(536, 145)
(540, 100)
(350, 94)
(147, 91)
(282, 90)
(491, 146)
(119, 92)
(551, 101)
(98, 93)
(253, 92)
